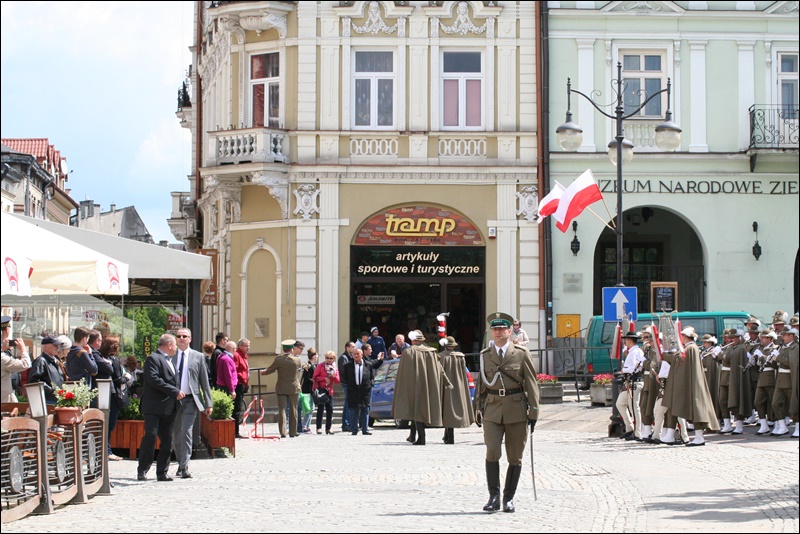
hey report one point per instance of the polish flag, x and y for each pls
(549, 203)
(580, 194)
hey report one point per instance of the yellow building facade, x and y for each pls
(364, 164)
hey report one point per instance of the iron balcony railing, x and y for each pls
(774, 126)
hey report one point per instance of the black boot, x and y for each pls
(420, 433)
(493, 481)
(512, 479)
(412, 436)
(449, 436)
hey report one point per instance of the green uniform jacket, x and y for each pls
(518, 372)
(288, 368)
(686, 394)
(456, 406)
(418, 386)
(788, 358)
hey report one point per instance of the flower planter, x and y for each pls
(600, 394)
(551, 393)
(218, 433)
(128, 435)
(68, 415)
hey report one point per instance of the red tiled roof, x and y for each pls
(46, 154)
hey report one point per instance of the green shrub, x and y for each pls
(223, 405)
(131, 412)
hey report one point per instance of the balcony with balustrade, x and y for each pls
(773, 130)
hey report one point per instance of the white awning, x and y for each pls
(144, 260)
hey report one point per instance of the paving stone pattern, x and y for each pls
(586, 482)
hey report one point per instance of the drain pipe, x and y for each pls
(546, 256)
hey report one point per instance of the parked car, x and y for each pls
(383, 393)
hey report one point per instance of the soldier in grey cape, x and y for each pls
(457, 409)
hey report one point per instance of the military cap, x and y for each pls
(499, 319)
(768, 332)
(789, 330)
(450, 341)
(794, 321)
(288, 344)
(753, 319)
(5, 321)
(780, 316)
(416, 335)
(708, 338)
(752, 330)
(689, 332)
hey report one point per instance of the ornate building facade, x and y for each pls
(363, 164)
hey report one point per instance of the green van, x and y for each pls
(600, 335)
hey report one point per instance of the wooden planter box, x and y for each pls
(551, 393)
(600, 394)
(218, 433)
(128, 435)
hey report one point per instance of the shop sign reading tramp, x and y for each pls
(418, 225)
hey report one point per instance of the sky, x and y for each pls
(100, 80)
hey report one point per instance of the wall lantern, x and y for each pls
(756, 246)
(575, 246)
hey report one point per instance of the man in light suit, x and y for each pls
(159, 396)
(192, 381)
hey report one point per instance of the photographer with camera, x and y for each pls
(15, 359)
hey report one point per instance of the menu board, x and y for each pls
(663, 296)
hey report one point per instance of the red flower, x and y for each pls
(69, 395)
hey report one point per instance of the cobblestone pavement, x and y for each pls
(586, 482)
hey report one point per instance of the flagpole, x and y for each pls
(610, 217)
(601, 219)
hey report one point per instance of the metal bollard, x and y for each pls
(616, 427)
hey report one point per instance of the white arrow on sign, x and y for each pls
(620, 300)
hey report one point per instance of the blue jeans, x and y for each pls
(360, 414)
(346, 412)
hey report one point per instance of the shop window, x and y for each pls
(265, 90)
(644, 74)
(373, 90)
(462, 90)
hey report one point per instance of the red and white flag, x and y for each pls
(580, 194)
(549, 203)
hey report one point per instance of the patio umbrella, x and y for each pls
(39, 262)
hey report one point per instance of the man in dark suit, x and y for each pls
(193, 383)
(159, 407)
(359, 374)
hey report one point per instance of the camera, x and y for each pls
(12, 342)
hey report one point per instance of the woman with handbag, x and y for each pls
(108, 351)
(306, 387)
(325, 376)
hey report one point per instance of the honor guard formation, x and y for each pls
(750, 379)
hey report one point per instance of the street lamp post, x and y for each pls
(620, 151)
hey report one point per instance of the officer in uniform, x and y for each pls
(628, 399)
(650, 389)
(751, 343)
(784, 401)
(765, 388)
(734, 391)
(287, 386)
(507, 403)
(711, 370)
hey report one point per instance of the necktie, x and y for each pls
(180, 366)
(358, 374)
(500, 353)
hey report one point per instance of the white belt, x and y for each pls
(723, 368)
(782, 370)
(646, 372)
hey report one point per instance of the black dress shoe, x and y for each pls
(184, 474)
(410, 439)
(693, 444)
(164, 478)
(626, 435)
(355, 433)
(419, 442)
(141, 475)
(367, 433)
